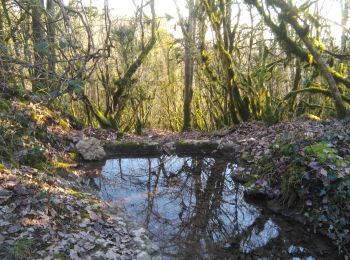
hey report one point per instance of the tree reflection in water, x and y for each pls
(191, 206)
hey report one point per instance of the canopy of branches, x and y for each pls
(234, 61)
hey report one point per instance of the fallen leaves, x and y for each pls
(74, 226)
(14, 229)
(4, 195)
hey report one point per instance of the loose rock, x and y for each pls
(91, 149)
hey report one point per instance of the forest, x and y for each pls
(261, 83)
(278, 62)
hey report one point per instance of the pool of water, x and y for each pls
(194, 210)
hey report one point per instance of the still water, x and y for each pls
(194, 210)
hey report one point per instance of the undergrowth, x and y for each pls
(313, 175)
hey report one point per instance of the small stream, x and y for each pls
(194, 210)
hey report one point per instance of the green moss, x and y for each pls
(313, 117)
(84, 214)
(73, 156)
(35, 157)
(246, 157)
(5, 105)
(63, 165)
(179, 142)
(124, 146)
(291, 183)
(21, 250)
(286, 148)
(64, 124)
(130, 144)
(78, 195)
(252, 180)
(323, 153)
(35, 116)
(266, 168)
(62, 256)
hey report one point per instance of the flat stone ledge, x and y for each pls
(126, 148)
(185, 147)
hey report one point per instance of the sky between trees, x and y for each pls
(330, 9)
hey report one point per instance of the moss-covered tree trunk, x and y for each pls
(51, 37)
(296, 84)
(219, 14)
(127, 81)
(37, 7)
(189, 31)
(290, 15)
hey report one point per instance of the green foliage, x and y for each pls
(336, 212)
(103, 119)
(24, 135)
(312, 176)
(287, 149)
(62, 255)
(125, 34)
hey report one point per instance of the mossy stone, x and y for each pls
(34, 157)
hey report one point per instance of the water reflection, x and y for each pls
(191, 206)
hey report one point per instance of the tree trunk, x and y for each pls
(296, 83)
(127, 80)
(189, 36)
(50, 8)
(188, 91)
(345, 17)
(38, 38)
(3, 66)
